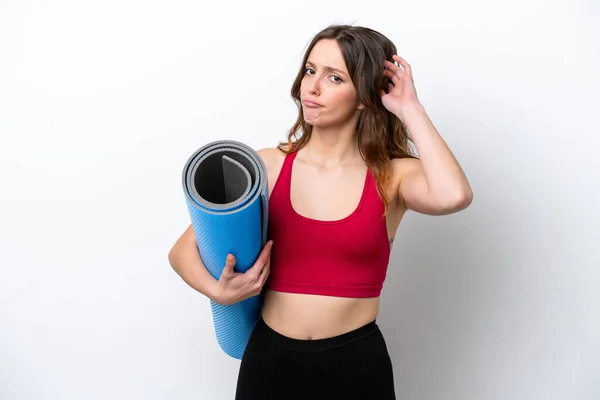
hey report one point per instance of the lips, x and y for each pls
(309, 103)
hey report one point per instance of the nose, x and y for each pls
(313, 88)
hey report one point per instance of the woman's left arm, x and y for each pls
(435, 184)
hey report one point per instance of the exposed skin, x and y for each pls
(328, 177)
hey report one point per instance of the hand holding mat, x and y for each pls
(238, 286)
(226, 192)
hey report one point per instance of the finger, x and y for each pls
(390, 66)
(254, 271)
(264, 255)
(264, 270)
(264, 274)
(267, 268)
(403, 63)
(392, 76)
(229, 264)
(395, 74)
(262, 281)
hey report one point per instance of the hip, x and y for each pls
(353, 365)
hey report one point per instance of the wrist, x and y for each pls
(409, 109)
(213, 291)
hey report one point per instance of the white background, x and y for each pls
(101, 103)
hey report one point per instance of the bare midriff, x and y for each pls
(312, 317)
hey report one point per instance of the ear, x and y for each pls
(361, 106)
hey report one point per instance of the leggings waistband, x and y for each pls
(314, 345)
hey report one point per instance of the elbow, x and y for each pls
(172, 257)
(457, 202)
(461, 200)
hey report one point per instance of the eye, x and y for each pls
(339, 80)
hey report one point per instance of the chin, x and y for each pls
(323, 123)
(312, 123)
(318, 121)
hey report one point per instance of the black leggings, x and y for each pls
(354, 365)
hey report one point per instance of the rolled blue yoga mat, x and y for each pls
(226, 191)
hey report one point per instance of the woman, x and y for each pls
(338, 190)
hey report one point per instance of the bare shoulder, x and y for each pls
(271, 156)
(273, 159)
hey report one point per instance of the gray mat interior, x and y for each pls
(219, 179)
(222, 178)
(223, 173)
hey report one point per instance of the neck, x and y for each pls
(333, 146)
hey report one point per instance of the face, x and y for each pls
(326, 82)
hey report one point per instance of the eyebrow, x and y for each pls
(329, 68)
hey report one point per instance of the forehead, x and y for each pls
(327, 53)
